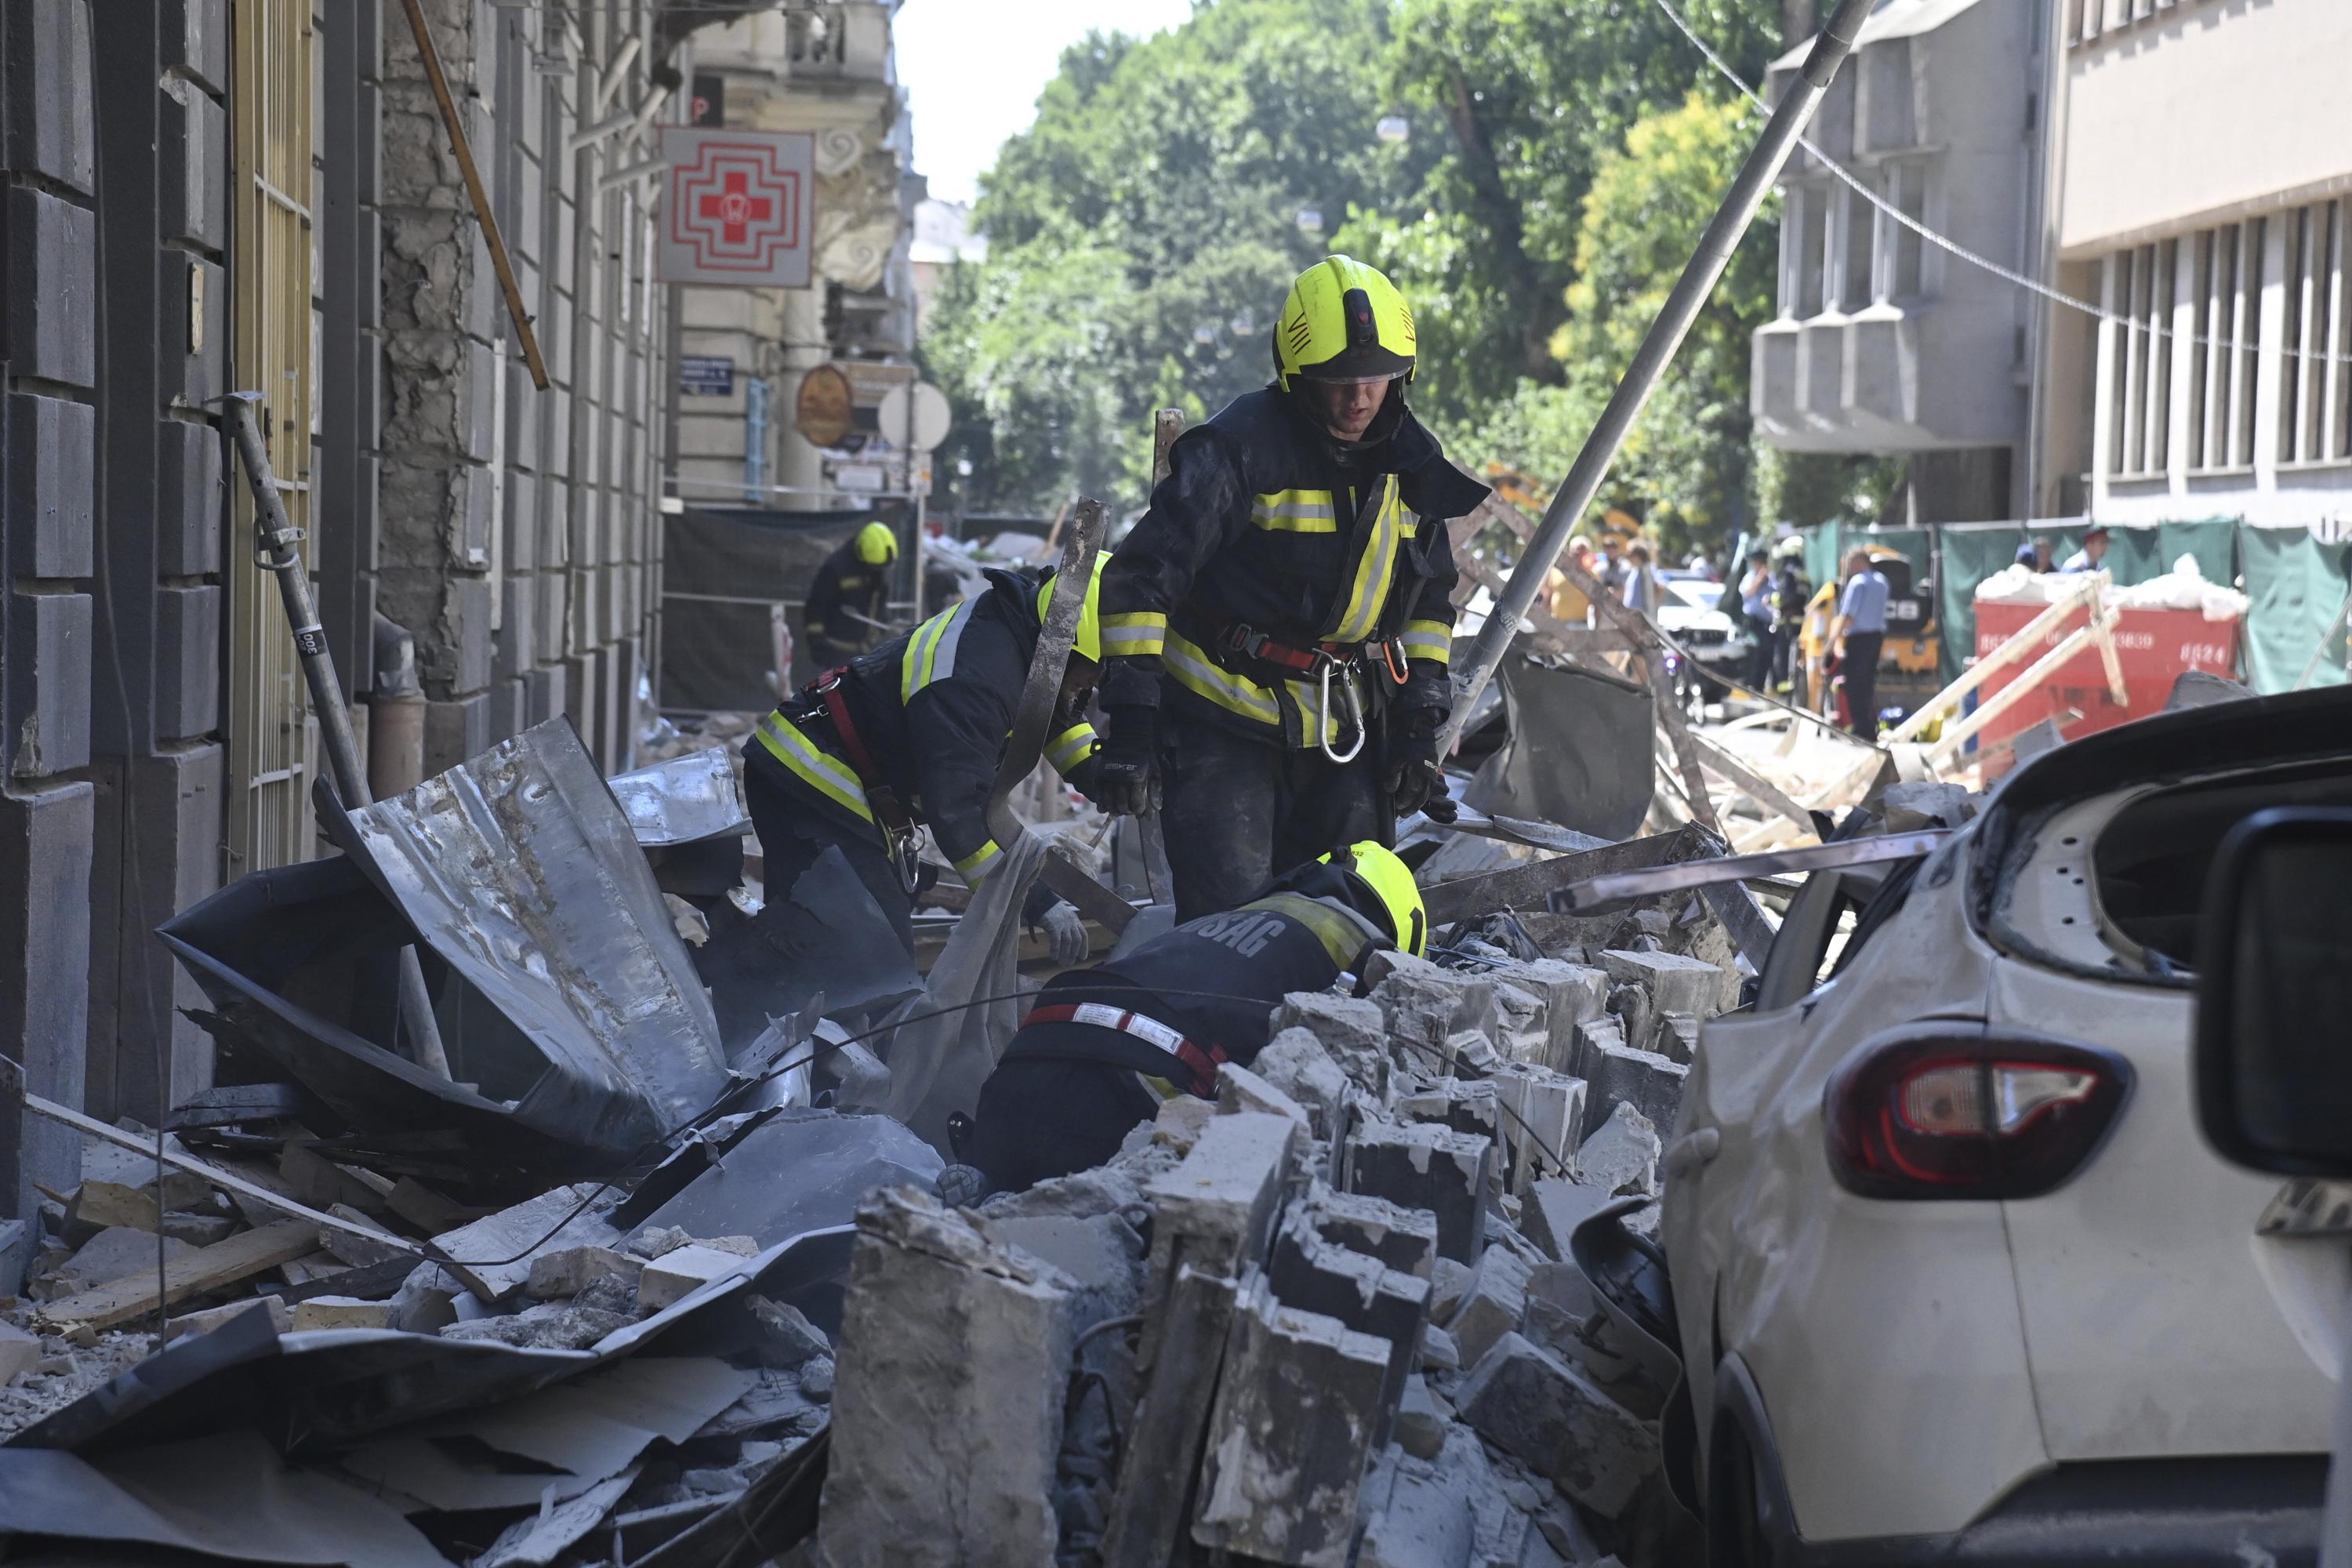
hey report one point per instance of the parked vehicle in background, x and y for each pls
(1956, 1277)
(1719, 642)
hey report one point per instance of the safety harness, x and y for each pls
(1198, 1062)
(890, 815)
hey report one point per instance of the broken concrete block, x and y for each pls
(679, 1272)
(201, 1229)
(425, 1301)
(1420, 1423)
(1493, 1304)
(118, 1251)
(1622, 1158)
(1353, 1030)
(1542, 1121)
(1295, 1062)
(359, 1251)
(1213, 1212)
(1239, 1089)
(656, 1239)
(1405, 1239)
(1290, 1436)
(1179, 1121)
(1532, 1403)
(212, 1317)
(1555, 1209)
(109, 1205)
(1438, 1351)
(1307, 1272)
(788, 1340)
(341, 1312)
(568, 1215)
(1420, 1165)
(1447, 1282)
(1673, 983)
(947, 1408)
(1924, 804)
(862, 1079)
(20, 1351)
(1464, 1104)
(569, 1270)
(1102, 1256)
(1425, 1520)
(1082, 1194)
(1562, 996)
(1678, 1036)
(1615, 1074)
(549, 1326)
(1422, 1002)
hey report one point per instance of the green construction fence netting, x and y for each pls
(2298, 584)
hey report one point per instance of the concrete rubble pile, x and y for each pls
(1331, 1318)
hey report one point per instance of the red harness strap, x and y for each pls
(878, 793)
(1201, 1062)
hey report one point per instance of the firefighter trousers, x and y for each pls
(1238, 810)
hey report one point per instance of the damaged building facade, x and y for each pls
(205, 198)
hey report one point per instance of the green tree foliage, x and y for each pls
(1142, 234)
(1563, 156)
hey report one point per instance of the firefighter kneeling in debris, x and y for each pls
(912, 733)
(1104, 1046)
(1276, 627)
(849, 596)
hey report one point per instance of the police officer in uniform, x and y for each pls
(1104, 1047)
(1276, 629)
(912, 733)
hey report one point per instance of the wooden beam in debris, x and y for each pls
(208, 1269)
(1528, 887)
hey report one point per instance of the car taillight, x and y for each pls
(1947, 1113)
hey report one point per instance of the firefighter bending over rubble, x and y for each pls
(1104, 1046)
(912, 732)
(1276, 629)
(848, 596)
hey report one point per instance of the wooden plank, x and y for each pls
(1720, 761)
(207, 1270)
(1527, 887)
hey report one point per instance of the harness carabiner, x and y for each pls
(1355, 703)
(1392, 655)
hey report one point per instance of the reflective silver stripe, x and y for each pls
(1133, 640)
(931, 652)
(1075, 747)
(979, 863)
(1105, 1016)
(1429, 645)
(824, 773)
(943, 658)
(1241, 695)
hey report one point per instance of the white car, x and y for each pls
(1956, 1277)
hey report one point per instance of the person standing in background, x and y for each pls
(1756, 609)
(1641, 582)
(1789, 591)
(1566, 602)
(1856, 638)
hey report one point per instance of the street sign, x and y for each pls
(739, 207)
(824, 410)
(702, 376)
(710, 105)
(914, 418)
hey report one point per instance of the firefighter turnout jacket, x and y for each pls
(1269, 539)
(844, 583)
(932, 709)
(1182, 1005)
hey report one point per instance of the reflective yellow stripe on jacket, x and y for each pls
(1295, 511)
(1203, 676)
(1432, 640)
(819, 769)
(1342, 932)
(1135, 635)
(1071, 747)
(1375, 570)
(930, 653)
(977, 865)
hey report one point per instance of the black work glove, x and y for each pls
(1127, 767)
(1415, 780)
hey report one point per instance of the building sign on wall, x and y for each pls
(709, 104)
(739, 209)
(703, 375)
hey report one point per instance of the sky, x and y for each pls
(973, 69)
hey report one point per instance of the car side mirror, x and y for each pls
(2273, 1052)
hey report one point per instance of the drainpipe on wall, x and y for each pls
(395, 760)
(755, 441)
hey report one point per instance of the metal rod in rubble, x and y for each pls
(1576, 492)
(275, 540)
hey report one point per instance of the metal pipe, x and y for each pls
(1576, 493)
(275, 538)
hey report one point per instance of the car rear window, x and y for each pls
(2152, 857)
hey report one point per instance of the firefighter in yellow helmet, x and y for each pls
(1104, 1046)
(1276, 627)
(912, 733)
(849, 596)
